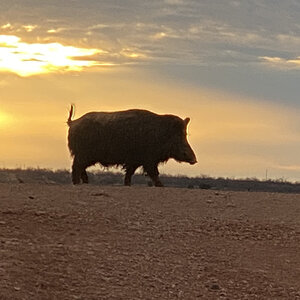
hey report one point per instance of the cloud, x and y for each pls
(282, 63)
(27, 59)
(6, 26)
(105, 26)
(287, 167)
(29, 28)
(187, 32)
(57, 30)
(174, 2)
(132, 53)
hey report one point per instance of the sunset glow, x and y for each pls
(27, 59)
(233, 67)
(5, 119)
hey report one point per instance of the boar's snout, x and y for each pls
(192, 162)
(192, 157)
(187, 155)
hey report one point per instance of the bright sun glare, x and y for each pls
(5, 119)
(27, 59)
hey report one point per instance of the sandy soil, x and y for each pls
(89, 242)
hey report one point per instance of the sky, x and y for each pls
(232, 66)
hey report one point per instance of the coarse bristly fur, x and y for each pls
(130, 139)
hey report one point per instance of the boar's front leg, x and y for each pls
(152, 172)
(84, 177)
(129, 172)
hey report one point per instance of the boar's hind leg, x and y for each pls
(153, 173)
(129, 172)
(78, 172)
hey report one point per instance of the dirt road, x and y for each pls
(89, 242)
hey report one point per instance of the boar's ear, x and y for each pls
(186, 121)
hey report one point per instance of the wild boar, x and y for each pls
(131, 139)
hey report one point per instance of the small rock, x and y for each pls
(102, 194)
(40, 213)
(222, 293)
(8, 212)
(215, 287)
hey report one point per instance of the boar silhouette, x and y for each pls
(133, 138)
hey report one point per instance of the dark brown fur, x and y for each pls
(130, 139)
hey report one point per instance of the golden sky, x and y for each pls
(232, 136)
(237, 82)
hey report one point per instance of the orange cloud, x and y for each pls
(27, 59)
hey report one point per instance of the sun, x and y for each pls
(5, 119)
(27, 59)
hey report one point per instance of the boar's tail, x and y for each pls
(71, 114)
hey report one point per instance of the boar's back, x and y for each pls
(123, 137)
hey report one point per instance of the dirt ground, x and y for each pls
(110, 242)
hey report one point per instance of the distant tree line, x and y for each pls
(48, 176)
